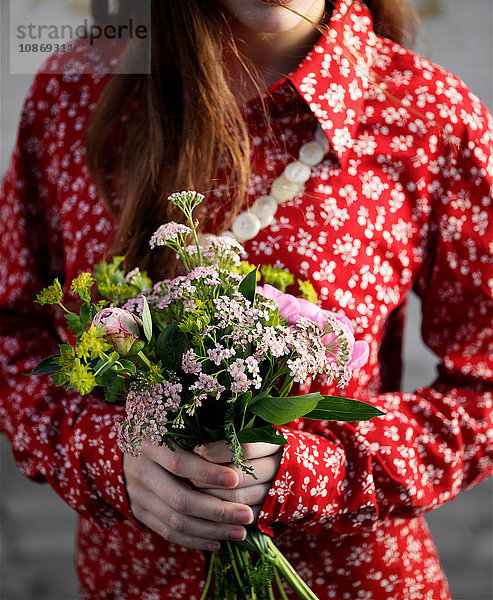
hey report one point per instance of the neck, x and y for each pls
(274, 55)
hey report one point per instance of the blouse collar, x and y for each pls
(334, 76)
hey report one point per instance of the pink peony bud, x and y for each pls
(291, 308)
(122, 330)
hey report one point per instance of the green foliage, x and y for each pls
(146, 319)
(280, 411)
(267, 434)
(245, 268)
(116, 391)
(46, 366)
(107, 378)
(248, 287)
(107, 362)
(112, 283)
(238, 457)
(171, 344)
(140, 281)
(333, 408)
(74, 323)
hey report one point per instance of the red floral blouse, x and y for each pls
(401, 202)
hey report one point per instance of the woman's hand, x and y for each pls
(265, 460)
(167, 504)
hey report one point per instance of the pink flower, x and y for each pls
(122, 330)
(291, 308)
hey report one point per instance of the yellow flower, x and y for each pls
(154, 374)
(81, 285)
(279, 278)
(307, 291)
(66, 360)
(81, 378)
(91, 344)
(50, 295)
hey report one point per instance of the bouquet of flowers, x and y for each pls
(208, 355)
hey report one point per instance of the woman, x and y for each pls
(398, 200)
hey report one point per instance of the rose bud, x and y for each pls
(122, 330)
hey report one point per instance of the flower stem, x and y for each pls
(209, 577)
(234, 565)
(280, 589)
(264, 544)
(294, 580)
(144, 359)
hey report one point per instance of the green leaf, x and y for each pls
(128, 365)
(85, 314)
(115, 391)
(74, 323)
(280, 411)
(172, 343)
(267, 434)
(106, 379)
(244, 400)
(146, 319)
(333, 408)
(46, 366)
(248, 287)
(105, 364)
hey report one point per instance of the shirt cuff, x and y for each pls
(101, 463)
(311, 489)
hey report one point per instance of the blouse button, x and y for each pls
(297, 172)
(264, 206)
(311, 154)
(283, 190)
(245, 226)
(228, 234)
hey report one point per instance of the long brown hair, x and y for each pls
(184, 119)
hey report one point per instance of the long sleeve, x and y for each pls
(340, 478)
(56, 436)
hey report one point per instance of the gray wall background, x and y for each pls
(37, 528)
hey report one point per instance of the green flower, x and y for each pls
(279, 278)
(196, 322)
(110, 280)
(81, 286)
(81, 378)
(92, 344)
(307, 291)
(139, 280)
(50, 295)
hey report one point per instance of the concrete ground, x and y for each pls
(37, 528)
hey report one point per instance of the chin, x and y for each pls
(265, 16)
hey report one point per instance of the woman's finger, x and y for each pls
(189, 465)
(183, 499)
(252, 495)
(190, 541)
(177, 522)
(264, 469)
(218, 452)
